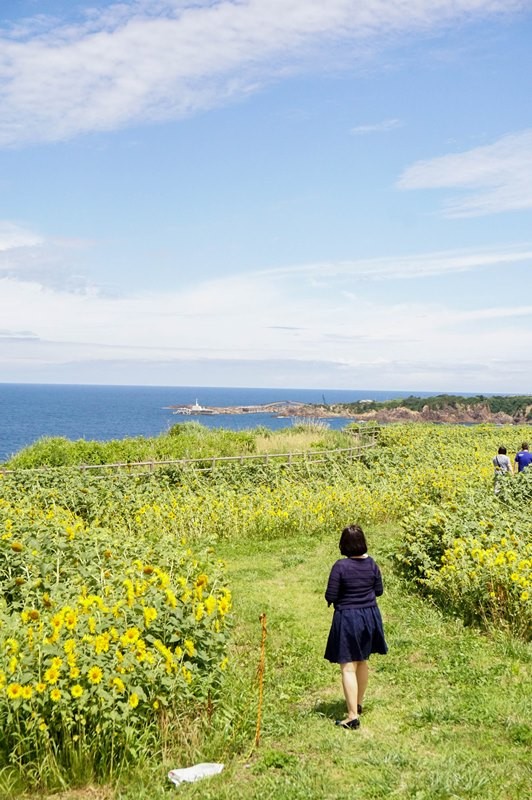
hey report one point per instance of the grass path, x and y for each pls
(447, 713)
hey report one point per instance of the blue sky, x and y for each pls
(267, 193)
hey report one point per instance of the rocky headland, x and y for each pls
(448, 414)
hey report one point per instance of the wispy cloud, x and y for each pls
(276, 316)
(13, 236)
(50, 262)
(501, 174)
(494, 313)
(149, 61)
(377, 127)
(18, 335)
(29, 256)
(424, 265)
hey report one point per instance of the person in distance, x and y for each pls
(523, 458)
(503, 466)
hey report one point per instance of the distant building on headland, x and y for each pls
(195, 409)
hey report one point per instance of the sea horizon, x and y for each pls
(101, 412)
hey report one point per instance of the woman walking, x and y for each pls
(356, 632)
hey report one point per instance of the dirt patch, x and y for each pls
(88, 793)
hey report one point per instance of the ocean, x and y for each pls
(30, 411)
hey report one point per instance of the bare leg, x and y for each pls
(350, 687)
(362, 680)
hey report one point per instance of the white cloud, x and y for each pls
(377, 127)
(29, 256)
(13, 236)
(50, 262)
(500, 172)
(495, 313)
(144, 61)
(272, 317)
(408, 267)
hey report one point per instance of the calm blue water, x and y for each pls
(30, 411)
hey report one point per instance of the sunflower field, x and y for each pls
(115, 613)
(102, 634)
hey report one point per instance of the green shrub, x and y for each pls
(476, 557)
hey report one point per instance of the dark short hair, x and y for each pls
(502, 451)
(524, 446)
(353, 541)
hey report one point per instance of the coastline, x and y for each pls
(459, 414)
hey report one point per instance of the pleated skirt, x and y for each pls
(355, 634)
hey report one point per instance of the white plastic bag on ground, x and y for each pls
(195, 773)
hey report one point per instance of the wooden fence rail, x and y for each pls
(211, 462)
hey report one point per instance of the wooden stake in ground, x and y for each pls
(262, 619)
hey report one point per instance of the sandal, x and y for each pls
(352, 724)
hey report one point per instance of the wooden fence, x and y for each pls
(208, 463)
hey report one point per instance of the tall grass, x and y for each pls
(184, 440)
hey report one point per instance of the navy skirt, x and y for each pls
(355, 634)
